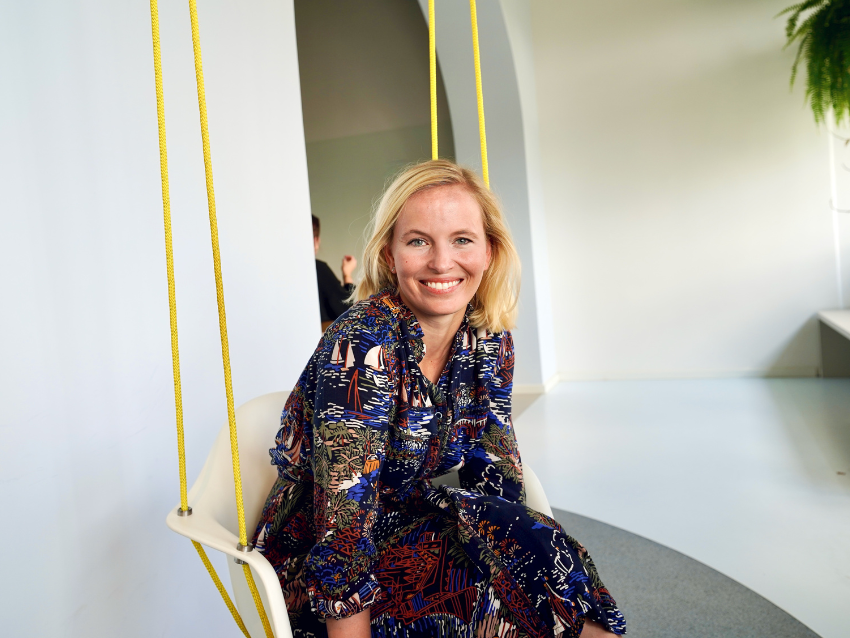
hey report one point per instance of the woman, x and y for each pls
(410, 383)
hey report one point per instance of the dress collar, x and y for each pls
(391, 300)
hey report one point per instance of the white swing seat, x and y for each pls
(213, 522)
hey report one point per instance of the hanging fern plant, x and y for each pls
(824, 44)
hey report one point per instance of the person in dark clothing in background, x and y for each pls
(332, 294)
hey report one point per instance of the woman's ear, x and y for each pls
(489, 253)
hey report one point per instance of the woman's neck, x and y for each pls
(438, 335)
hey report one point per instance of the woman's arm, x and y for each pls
(350, 423)
(494, 468)
(356, 626)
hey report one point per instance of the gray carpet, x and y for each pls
(665, 594)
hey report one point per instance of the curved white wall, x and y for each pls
(510, 112)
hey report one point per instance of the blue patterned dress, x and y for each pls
(353, 522)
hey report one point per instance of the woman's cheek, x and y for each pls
(474, 264)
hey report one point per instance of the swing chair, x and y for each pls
(220, 516)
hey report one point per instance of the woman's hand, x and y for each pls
(356, 626)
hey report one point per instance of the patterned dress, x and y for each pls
(353, 521)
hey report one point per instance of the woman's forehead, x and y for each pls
(442, 206)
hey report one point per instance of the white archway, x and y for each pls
(512, 138)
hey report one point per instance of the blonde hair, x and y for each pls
(494, 306)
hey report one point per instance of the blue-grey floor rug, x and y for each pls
(665, 594)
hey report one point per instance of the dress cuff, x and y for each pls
(366, 595)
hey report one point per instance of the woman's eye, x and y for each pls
(463, 240)
(416, 242)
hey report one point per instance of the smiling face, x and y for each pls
(439, 250)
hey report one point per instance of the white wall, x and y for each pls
(518, 25)
(686, 190)
(510, 118)
(88, 466)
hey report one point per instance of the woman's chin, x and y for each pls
(447, 305)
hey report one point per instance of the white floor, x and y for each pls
(744, 475)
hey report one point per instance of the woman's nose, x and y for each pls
(441, 259)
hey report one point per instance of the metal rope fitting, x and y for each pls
(244, 549)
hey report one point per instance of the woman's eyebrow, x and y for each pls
(414, 231)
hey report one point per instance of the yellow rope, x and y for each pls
(172, 305)
(169, 256)
(258, 602)
(485, 170)
(221, 590)
(219, 287)
(432, 61)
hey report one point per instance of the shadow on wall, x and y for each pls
(816, 417)
(802, 346)
(364, 92)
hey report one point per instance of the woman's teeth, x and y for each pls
(442, 285)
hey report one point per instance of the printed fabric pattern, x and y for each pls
(354, 523)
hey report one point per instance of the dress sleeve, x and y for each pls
(494, 467)
(350, 426)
